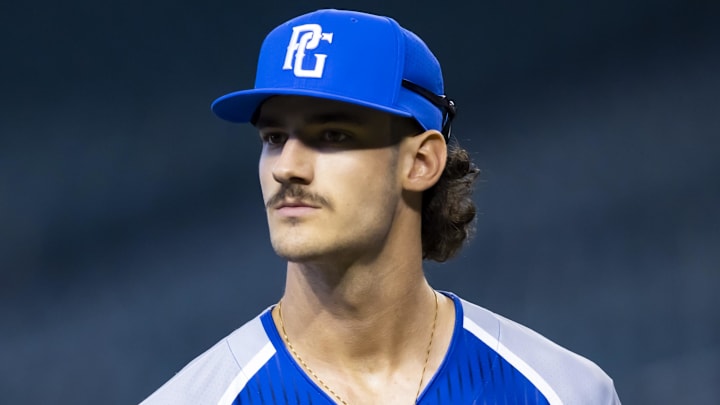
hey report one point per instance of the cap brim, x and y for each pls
(240, 106)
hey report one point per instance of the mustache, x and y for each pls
(298, 193)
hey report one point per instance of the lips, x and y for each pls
(295, 208)
(294, 204)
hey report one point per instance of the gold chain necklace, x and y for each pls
(330, 390)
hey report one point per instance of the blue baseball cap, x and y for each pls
(347, 56)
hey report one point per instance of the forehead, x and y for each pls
(301, 110)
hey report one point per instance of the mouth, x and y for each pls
(290, 208)
(294, 204)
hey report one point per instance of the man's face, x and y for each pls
(329, 178)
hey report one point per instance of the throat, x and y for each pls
(362, 353)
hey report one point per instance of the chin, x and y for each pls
(296, 249)
(298, 255)
(310, 250)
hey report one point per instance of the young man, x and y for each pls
(361, 182)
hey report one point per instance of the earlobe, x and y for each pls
(428, 153)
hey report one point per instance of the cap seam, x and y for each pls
(400, 57)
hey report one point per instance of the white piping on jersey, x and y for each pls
(243, 376)
(514, 360)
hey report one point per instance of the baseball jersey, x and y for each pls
(490, 360)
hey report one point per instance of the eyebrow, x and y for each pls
(316, 119)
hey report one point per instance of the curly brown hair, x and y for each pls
(448, 211)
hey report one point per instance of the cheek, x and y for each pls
(265, 176)
(372, 183)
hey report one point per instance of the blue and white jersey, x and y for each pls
(490, 360)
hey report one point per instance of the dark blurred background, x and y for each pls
(132, 234)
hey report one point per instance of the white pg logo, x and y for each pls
(306, 37)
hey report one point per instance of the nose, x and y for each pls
(294, 163)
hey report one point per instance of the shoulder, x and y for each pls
(561, 375)
(206, 378)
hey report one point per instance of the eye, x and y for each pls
(333, 136)
(273, 138)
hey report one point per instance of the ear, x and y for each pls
(425, 158)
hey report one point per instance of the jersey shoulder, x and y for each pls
(562, 376)
(209, 376)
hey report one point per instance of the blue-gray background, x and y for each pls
(132, 235)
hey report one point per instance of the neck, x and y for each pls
(357, 314)
(370, 334)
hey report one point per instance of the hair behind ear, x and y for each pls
(448, 210)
